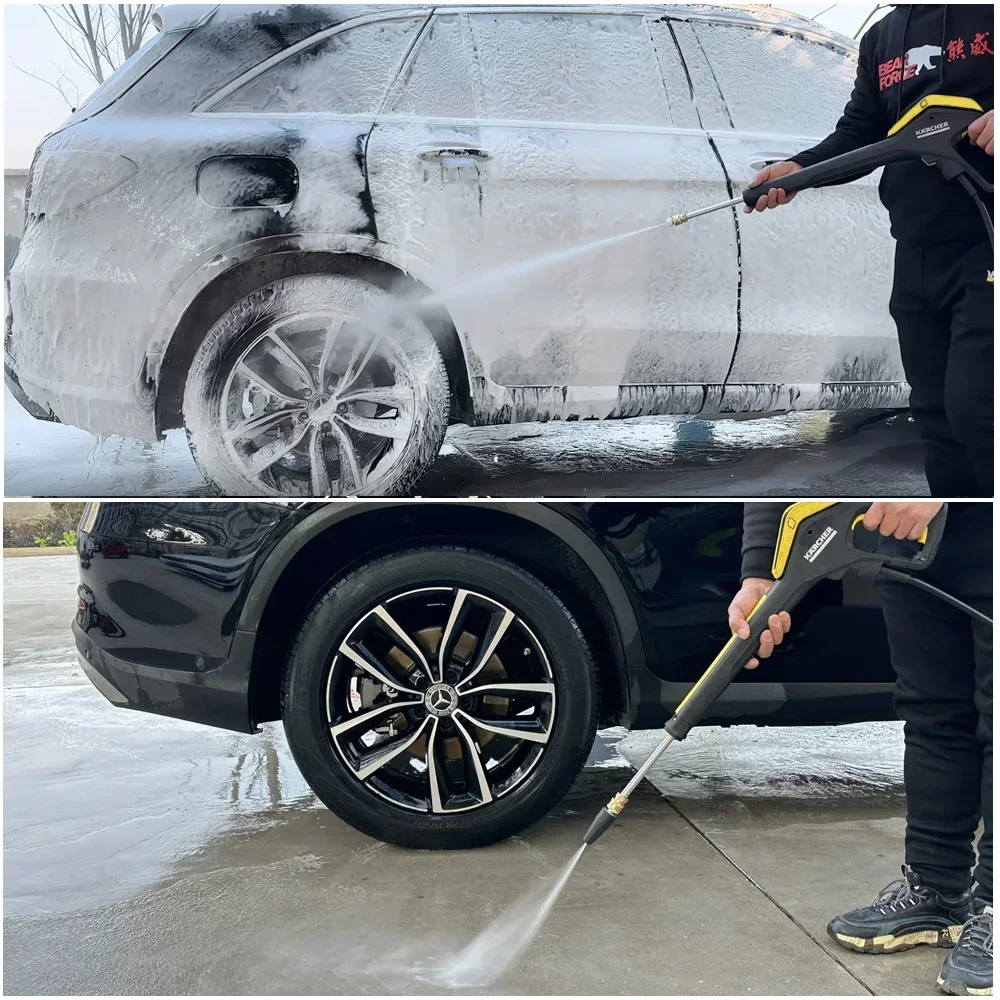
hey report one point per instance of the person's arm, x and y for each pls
(761, 522)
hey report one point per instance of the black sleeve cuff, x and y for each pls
(761, 522)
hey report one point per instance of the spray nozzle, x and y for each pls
(605, 819)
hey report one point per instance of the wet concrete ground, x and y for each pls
(800, 454)
(148, 856)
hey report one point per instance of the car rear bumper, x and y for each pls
(215, 697)
(80, 319)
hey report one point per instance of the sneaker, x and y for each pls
(968, 969)
(903, 915)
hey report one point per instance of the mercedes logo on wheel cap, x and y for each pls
(441, 699)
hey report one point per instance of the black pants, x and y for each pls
(943, 307)
(944, 695)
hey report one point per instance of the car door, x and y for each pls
(815, 329)
(682, 562)
(515, 135)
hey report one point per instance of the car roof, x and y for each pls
(174, 16)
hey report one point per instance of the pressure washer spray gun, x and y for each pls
(931, 130)
(816, 541)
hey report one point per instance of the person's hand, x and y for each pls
(777, 196)
(743, 603)
(901, 520)
(981, 132)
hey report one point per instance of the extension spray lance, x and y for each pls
(930, 131)
(815, 542)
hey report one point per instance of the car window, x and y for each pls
(594, 68)
(772, 81)
(345, 73)
(436, 83)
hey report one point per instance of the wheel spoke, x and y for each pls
(268, 387)
(284, 355)
(432, 775)
(352, 479)
(485, 795)
(373, 667)
(360, 356)
(398, 396)
(398, 427)
(533, 687)
(332, 334)
(390, 750)
(262, 423)
(368, 717)
(456, 608)
(517, 729)
(498, 629)
(271, 452)
(411, 647)
(319, 474)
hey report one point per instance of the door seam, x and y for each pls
(729, 188)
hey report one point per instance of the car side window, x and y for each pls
(345, 73)
(436, 83)
(773, 81)
(588, 68)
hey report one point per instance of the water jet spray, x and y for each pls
(816, 541)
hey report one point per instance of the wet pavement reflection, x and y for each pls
(821, 454)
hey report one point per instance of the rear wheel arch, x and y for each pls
(213, 301)
(339, 537)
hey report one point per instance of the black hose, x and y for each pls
(915, 581)
(980, 204)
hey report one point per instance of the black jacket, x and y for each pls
(916, 50)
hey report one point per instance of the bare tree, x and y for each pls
(99, 37)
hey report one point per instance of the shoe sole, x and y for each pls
(957, 989)
(885, 944)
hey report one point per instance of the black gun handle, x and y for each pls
(783, 596)
(929, 543)
(855, 163)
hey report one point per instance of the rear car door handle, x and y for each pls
(760, 160)
(455, 156)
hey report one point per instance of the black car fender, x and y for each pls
(548, 517)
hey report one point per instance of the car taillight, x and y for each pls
(81, 604)
(69, 179)
(89, 516)
(30, 178)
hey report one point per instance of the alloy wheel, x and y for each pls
(440, 700)
(317, 406)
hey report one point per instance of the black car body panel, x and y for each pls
(190, 624)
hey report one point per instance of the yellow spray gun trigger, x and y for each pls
(932, 130)
(816, 541)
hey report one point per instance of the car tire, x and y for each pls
(280, 330)
(316, 658)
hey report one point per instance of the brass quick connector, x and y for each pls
(678, 220)
(617, 804)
